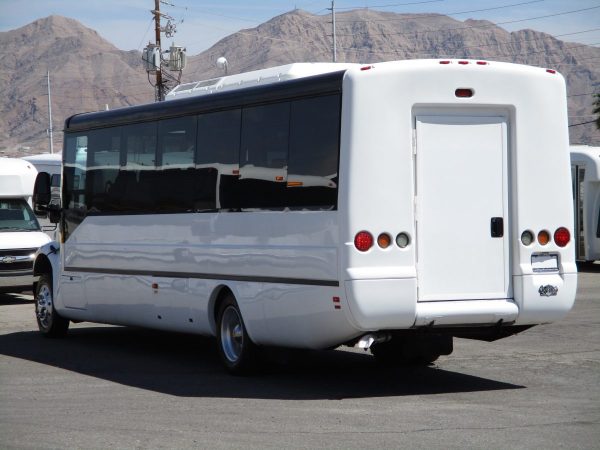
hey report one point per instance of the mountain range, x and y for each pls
(87, 73)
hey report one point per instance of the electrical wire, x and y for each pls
(582, 123)
(393, 5)
(428, 15)
(564, 13)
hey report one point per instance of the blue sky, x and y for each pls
(127, 23)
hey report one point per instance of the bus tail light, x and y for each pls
(384, 240)
(543, 237)
(562, 236)
(363, 241)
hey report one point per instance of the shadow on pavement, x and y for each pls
(16, 299)
(185, 365)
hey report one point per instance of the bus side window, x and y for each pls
(133, 189)
(217, 159)
(103, 164)
(314, 153)
(175, 173)
(73, 183)
(263, 156)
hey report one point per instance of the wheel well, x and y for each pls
(42, 265)
(217, 298)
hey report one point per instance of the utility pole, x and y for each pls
(50, 135)
(153, 54)
(333, 30)
(160, 90)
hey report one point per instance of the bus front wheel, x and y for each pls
(237, 351)
(50, 323)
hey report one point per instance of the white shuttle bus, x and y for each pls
(585, 173)
(392, 206)
(51, 164)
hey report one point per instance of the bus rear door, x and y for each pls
(462, 208)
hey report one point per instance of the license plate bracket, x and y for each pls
(544, 262)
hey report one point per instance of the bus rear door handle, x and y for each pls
(497, 227)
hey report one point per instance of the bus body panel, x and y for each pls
(381, 107)
(132, 255)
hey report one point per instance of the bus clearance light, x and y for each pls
(464, 93)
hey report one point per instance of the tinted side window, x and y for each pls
(133, 190)
(263, 156)
(177, 142)
(73, 183)
(314, 153)
(175, 182)
(103, 163)
(217, 157)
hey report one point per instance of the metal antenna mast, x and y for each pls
(50, 135)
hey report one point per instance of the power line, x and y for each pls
(582, 123)
(476, 26)
(396, 4)
(581, 95)
(428, 15)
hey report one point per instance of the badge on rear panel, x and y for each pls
(548, 291)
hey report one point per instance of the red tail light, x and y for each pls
(562, 236)
(363, 241)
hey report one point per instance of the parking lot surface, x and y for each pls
(115, 387)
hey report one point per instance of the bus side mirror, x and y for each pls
(41, 193)
(54, 211)
(46, 202)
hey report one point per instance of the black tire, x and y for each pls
(237, 351)
(50, 323)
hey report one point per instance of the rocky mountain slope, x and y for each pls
(88, 73)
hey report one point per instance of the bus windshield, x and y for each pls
(16, 215)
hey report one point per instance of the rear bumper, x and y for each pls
(387, 304)
(544, 298)
(471, 312)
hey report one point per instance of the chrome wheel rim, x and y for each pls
(232, 334)
(44, 306)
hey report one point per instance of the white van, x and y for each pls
(20, 232)
(585, 173)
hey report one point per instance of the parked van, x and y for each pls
(585, 172)
(20, 232)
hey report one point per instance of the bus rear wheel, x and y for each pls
(238, 353)
(50, 323)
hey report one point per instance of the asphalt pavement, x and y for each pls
(115, 387)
